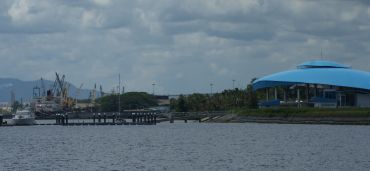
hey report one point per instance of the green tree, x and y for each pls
(181, 104)
(252, 96)
(130, 100)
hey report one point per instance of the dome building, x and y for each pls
(316, 83)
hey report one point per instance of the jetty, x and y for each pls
(126, 118)
(99, 119)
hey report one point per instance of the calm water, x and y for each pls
(191, 146)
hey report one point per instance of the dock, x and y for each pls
(101, 119)
(127, 118)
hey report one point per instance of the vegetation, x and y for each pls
(226, 100)
(4, 112)
(129, 101)
(245, 103)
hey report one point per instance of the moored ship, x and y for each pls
(52, 101)
(23, 117)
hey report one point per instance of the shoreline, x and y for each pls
(235, 118)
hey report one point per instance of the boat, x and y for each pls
(45, 107)
(46, 103)
(24, 117)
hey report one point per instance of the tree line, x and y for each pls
(226, 100)
(128, 101)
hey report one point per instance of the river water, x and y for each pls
(191, 146)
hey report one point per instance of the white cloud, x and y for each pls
(351, 14)
(92, 19)
(19, 11)
(102, 2)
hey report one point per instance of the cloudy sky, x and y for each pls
(182, 46)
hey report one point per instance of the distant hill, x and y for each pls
(23, 89)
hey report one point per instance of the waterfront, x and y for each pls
(191, 146)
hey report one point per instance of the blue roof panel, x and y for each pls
(344, 77)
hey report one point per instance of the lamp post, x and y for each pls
(119, 94)
(153, 84)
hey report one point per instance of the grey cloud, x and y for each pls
(183, 46)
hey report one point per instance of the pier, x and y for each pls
(134, 118)
(99, 119)
(125, 118)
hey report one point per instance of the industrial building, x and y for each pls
(317, 83)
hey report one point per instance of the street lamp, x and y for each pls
(153, 84)
(119, 94)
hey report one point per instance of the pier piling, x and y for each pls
(133, 118)
(62, 118)
(155, 118)
(57, 119)
(171, 118)
(1, 120)
(150, 118)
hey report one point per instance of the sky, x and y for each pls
(181, 46)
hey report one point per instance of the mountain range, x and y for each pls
(24, 89)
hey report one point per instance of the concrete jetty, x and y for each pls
(100, 119)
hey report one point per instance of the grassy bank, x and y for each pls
(304, 112)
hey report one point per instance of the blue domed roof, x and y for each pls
(321, 64)
(317, 72)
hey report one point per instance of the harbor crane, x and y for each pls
(61, 87)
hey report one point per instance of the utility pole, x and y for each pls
(119, 94)
(153, 84)
(12, 99)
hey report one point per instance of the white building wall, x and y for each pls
(363, 100)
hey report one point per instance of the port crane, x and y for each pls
(61, 88)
